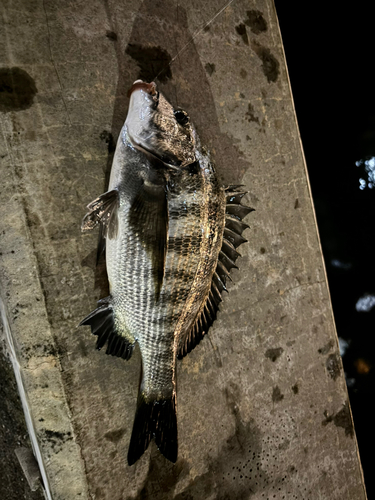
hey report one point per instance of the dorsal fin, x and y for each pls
(232, 238)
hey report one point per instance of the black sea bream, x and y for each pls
(171, 235)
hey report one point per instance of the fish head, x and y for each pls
(156, 128)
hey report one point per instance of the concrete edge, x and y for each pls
(317, 234)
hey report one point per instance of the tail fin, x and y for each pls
(155, 419)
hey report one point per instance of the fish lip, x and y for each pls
(150, 88)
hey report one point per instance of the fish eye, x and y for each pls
(181, 117)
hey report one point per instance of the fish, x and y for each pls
(171, 234)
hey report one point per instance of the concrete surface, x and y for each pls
(13, 436)
(263, 410)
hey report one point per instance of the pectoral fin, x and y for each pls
(149, 218)
(103, 210)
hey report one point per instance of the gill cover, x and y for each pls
(156, 128)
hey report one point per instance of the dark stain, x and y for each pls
(55, 435)
(295, 388)
(326, 348)
(152, 62)
(276, 395)
(107, 137)
(57, 439)
(242, 95)
(273, 354)
(241, 30)
(270, 65)
(250, 114)
(210, 68)
(256, 21)
(111, 35)
(243, 73)
(33, 219)
(17, 89)
(99, 493)
(82, 348)
(115, 436)
(342, 419)
(262, 250)
(333, 365)
(296, 203)
(284, 445)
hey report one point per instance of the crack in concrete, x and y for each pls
(198, 32)
(303, 285)
(54, 65)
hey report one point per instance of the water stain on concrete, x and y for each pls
(295, 388)
(326, 348)
(17, 90)
(210, 68)
(111, 35)
(241, 30)
(152, 62)
(276, 395)
(56, 439)
(115, 435)
(256, 21)
(270, 65)
(341, 419)
(250, 116)
(274, 354)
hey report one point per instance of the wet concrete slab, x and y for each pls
(263, 410)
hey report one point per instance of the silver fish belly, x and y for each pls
(171, 236)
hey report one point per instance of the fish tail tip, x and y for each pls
(154, 419)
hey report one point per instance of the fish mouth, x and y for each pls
(150, 88)
(153, 155)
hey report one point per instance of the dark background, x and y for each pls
(331, 59)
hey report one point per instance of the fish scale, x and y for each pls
(171, 233)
